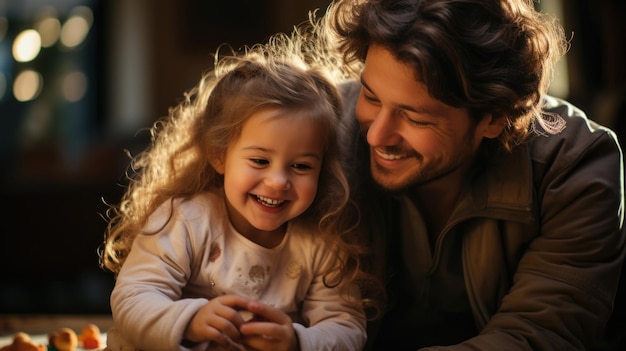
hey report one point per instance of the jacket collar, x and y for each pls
(502, 189)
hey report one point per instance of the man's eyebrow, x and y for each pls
(364, 83)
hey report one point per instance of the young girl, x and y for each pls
(239, 210)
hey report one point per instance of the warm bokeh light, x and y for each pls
(75, 29)
(85, 12)
(49, 29)
(27, 85)
(26, 46)
(74, 86)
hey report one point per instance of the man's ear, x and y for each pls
(493, 124)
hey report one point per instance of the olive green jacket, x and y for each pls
(543, 253)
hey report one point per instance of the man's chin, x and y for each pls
(389, 183)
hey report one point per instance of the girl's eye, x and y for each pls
(301, 166)
(259, 161)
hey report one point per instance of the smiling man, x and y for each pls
(498, 208)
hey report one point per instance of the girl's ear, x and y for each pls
(492, 125)
(218, 164)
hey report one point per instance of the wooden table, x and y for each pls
(39, 326)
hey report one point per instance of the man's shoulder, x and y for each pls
(349, 90)
(579, 132)
(580, 138)
(349, 87)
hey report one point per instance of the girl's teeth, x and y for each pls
(269, 202)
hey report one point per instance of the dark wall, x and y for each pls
(597, 72)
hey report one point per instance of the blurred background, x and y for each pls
(81, 80)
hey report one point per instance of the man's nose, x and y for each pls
(382, 130)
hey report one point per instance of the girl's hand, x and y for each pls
(270, 330)
(217, 321)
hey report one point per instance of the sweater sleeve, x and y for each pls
(146, 301)
(332, 320)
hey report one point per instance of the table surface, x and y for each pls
(38, 327)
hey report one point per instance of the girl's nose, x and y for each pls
(278, 180)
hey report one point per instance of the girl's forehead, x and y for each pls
(283, 127)
(287, 115)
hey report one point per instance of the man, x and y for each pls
(500, 208)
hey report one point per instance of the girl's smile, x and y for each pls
(271, 171)
(266, 201)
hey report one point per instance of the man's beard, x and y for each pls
(380, 176)
(409, 182)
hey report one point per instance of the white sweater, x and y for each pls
(198, 255)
